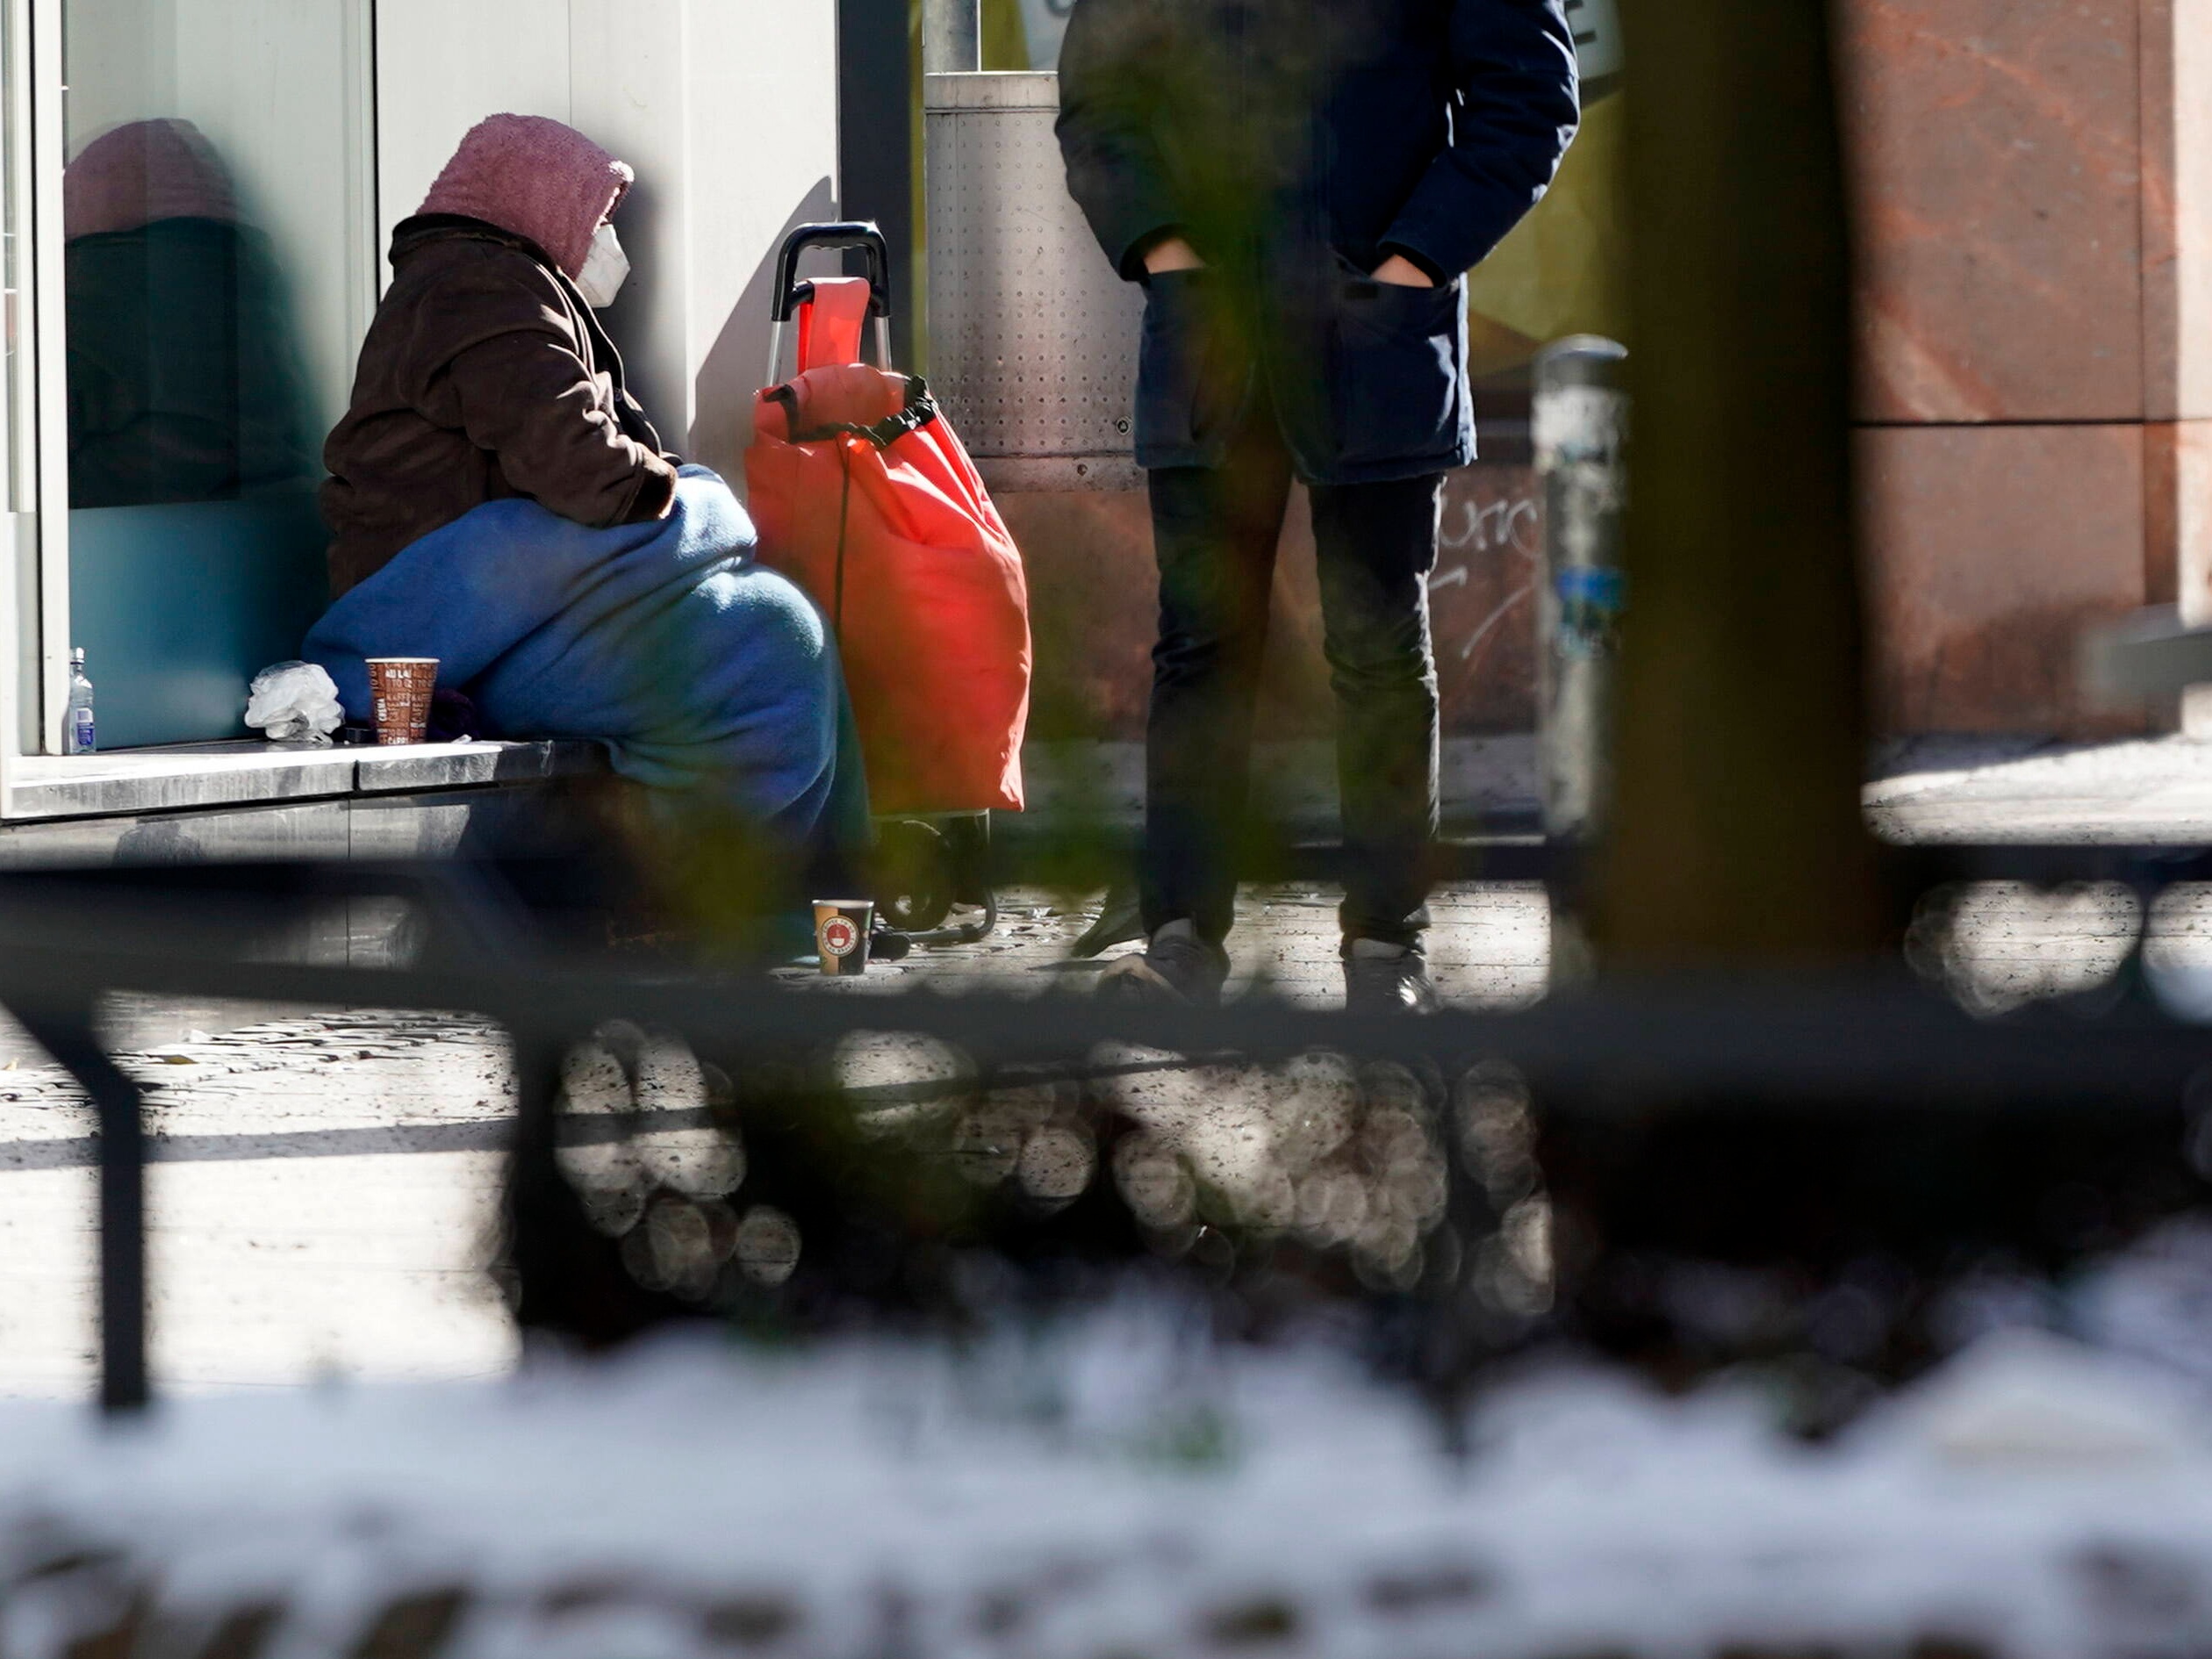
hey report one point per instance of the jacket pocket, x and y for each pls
(1189, 387)
(1396, 392)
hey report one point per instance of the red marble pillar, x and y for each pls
(2010, 346)
(2176, 59)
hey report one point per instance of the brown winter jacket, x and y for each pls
(484, 375)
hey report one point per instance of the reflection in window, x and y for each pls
(218, 230)
(184, 376)
(1040, 24)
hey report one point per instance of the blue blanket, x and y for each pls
(704, 674)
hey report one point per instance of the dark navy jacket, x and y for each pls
(1296, 144)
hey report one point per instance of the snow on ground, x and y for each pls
(2035, 1498)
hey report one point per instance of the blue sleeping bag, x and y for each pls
(704, 674)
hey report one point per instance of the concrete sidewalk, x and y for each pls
(1489, 947)
(1942, 788)
(325, 1203)
(2153, 791)
(324, 1199)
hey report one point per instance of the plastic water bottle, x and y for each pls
(77, 732)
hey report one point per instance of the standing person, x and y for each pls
(1298, 184)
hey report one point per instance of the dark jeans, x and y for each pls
(1215, 531)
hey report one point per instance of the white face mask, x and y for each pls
(604, 269)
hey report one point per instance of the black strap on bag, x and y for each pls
(844, 511)
(919, 409)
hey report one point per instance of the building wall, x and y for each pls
(2035, 212)
(181, 583)
(727, 109)
(2033, 217)
(2034, 302)
(258, 78)
(1092, 583)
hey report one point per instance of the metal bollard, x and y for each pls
(1581, 421)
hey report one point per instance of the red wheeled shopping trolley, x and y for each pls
(865, 497)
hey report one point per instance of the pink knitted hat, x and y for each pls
(146, 171)
(535, 178)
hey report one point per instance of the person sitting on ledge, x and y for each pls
(498, 501)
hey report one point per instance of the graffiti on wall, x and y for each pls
(1482, 598)
(1093, 588)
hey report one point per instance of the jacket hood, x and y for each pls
(420, 229)
(535, 178)
(143, 171)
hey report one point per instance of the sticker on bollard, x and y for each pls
(1591, 599)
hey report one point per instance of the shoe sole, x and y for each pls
(1135, 980)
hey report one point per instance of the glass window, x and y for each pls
(1042, 23)
(216, 260)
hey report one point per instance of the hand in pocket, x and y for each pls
(1193, 371)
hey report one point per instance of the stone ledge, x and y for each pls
(195, 775)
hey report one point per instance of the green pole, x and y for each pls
(1736, 832)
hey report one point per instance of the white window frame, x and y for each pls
(46, 327)
(34, 450)
(22, 696)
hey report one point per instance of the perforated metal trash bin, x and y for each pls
(1032, 335)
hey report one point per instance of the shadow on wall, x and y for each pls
(184, 372)
(634, 318)
(736, 366)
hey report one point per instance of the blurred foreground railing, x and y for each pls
(1875, 1079)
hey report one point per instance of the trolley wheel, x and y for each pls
(914, 875)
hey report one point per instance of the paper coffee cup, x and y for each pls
(400, 688)
(841, 934)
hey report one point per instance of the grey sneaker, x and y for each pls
(1386, 979)
(1175, 966)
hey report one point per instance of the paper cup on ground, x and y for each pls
(841, 934)
(400, 687)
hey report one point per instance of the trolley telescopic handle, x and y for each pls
(791, 293)
(849, 233)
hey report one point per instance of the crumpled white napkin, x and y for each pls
(292, 701)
